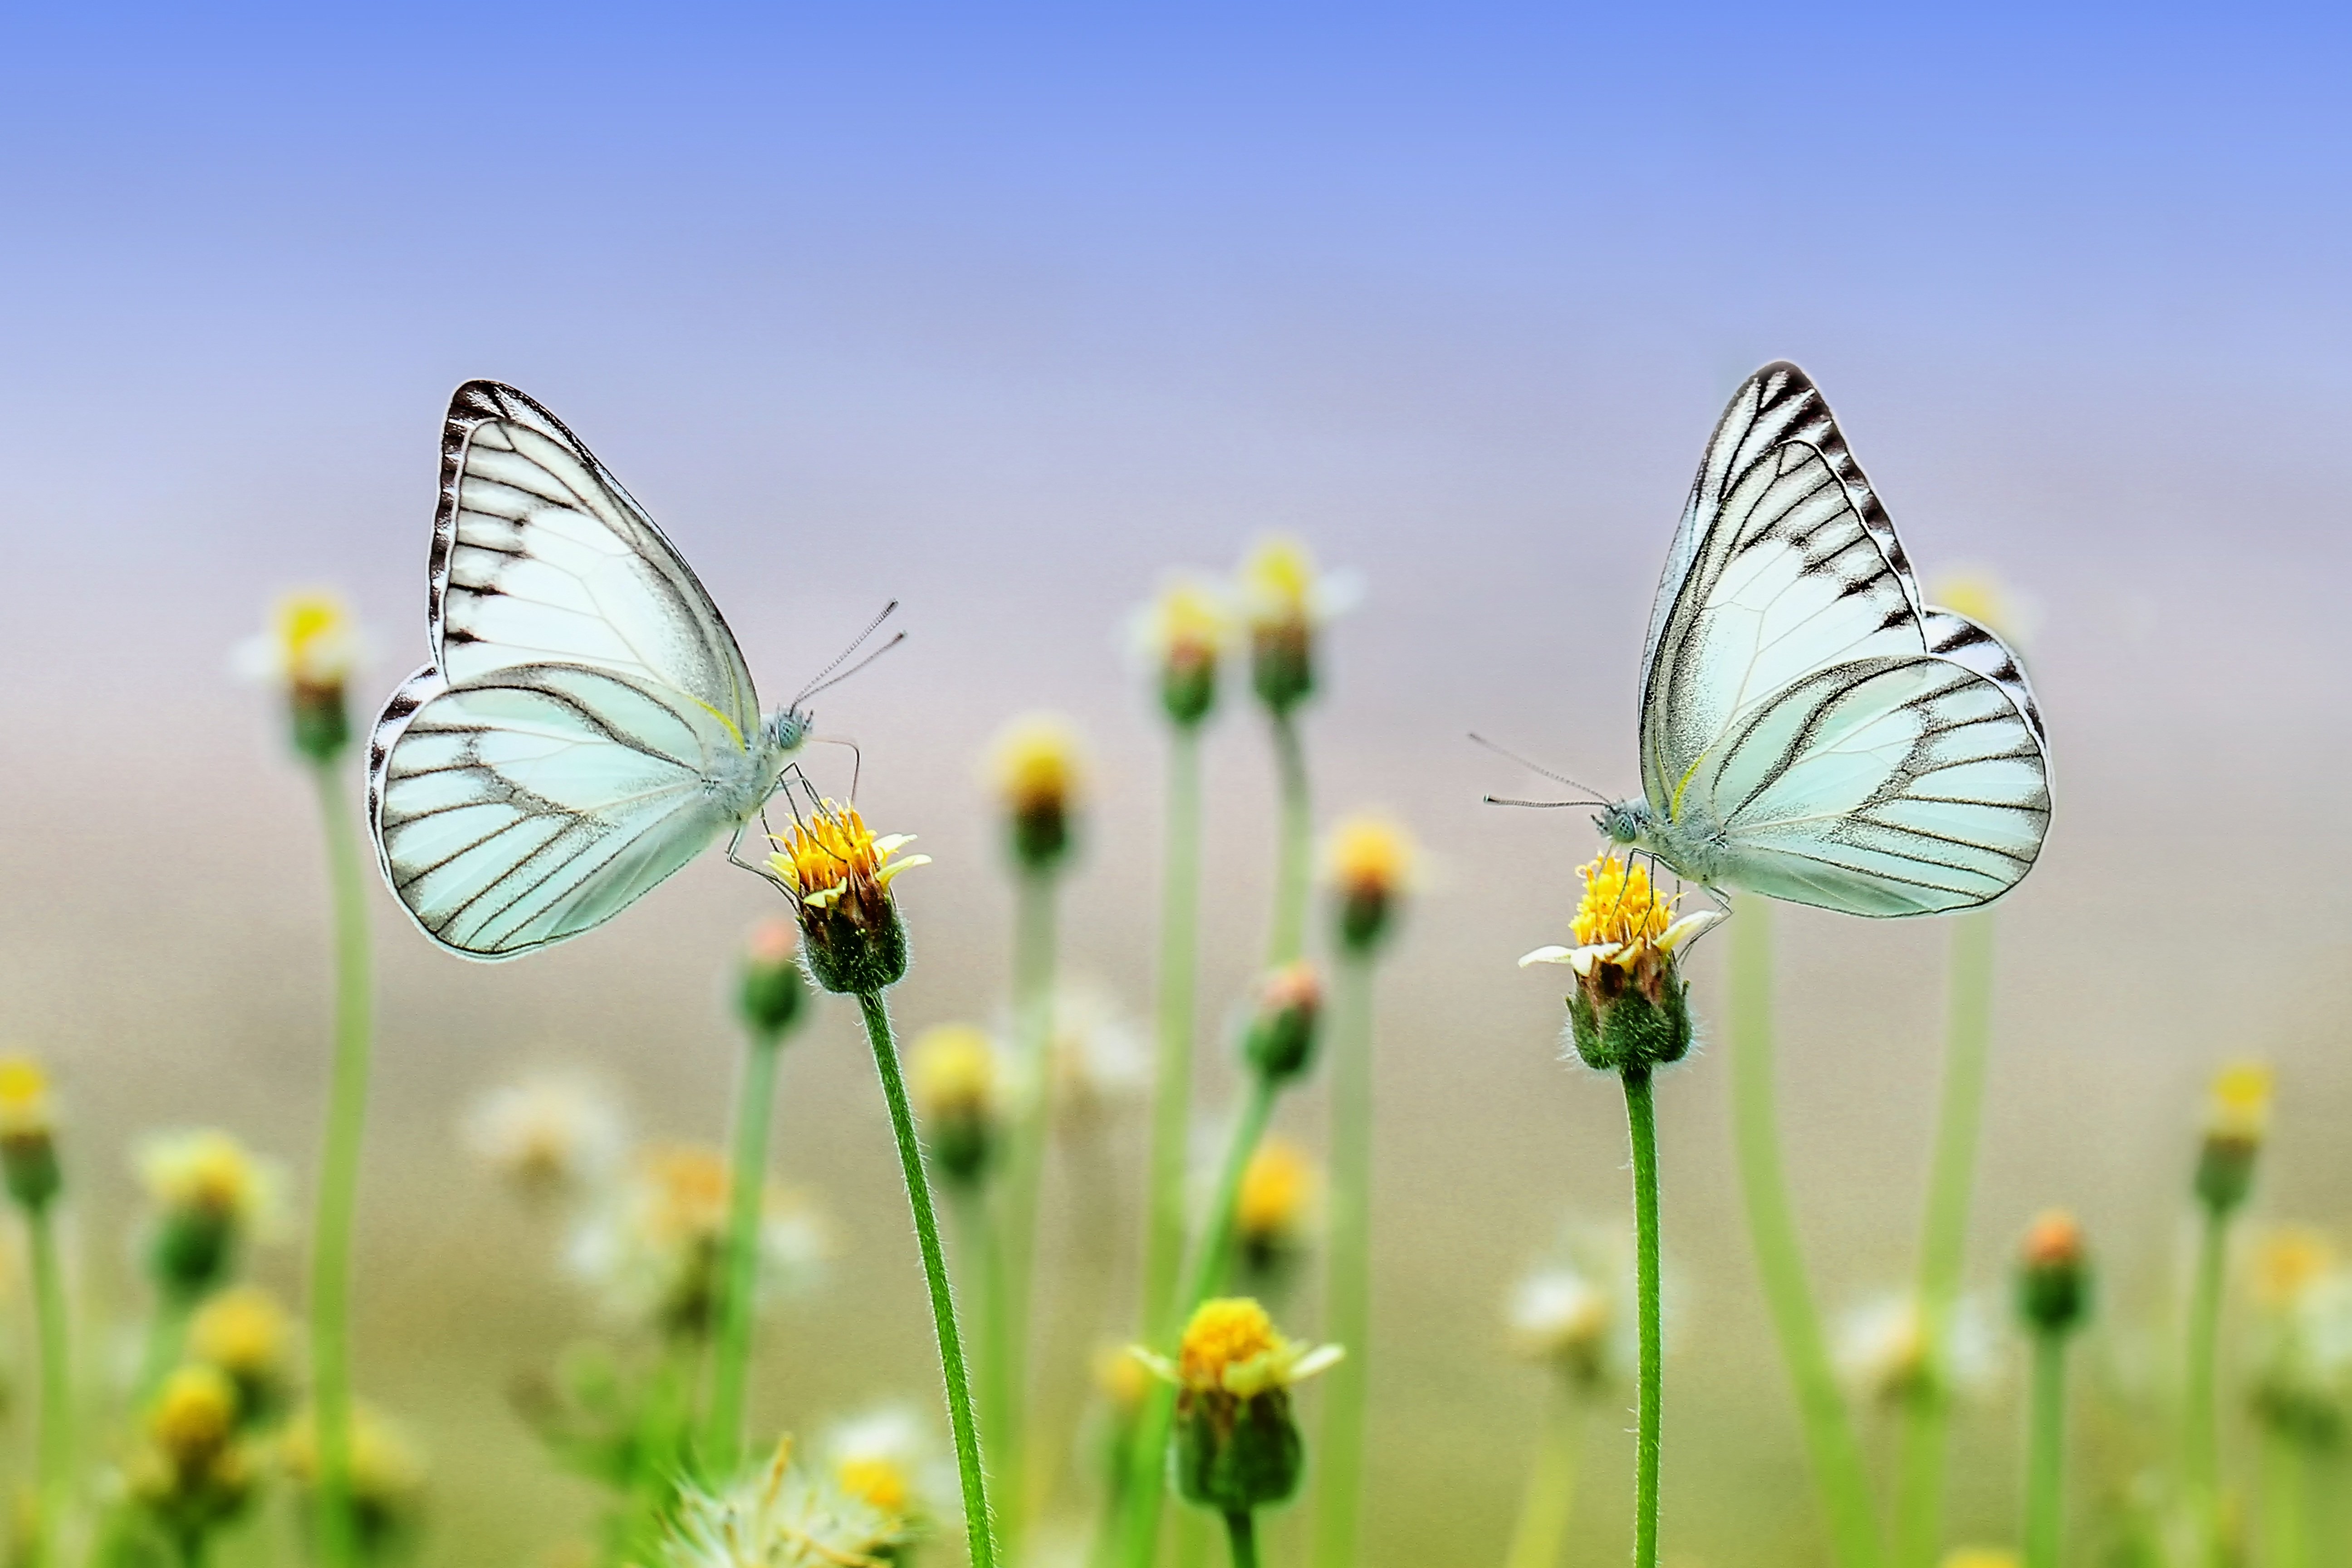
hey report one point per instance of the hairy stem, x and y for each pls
(1642, 1124)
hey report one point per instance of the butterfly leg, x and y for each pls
(857, 759)
(736, 843)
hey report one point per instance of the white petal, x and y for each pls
(1584, 958)
(1682, 930)
(1544, 955)
(1320, 1358)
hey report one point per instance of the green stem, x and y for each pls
(166, 1335)
(1641, 1123)
(985, 1249)
(2045, 1505)
(57, 1384)
(747, 1188)
(2202, 1440)
(1241, 1529)
(338, 1173)
(2287, 1502)
(1943, 1249)
(1550, 1496)
(1171, 1094)
(1347, 1308)
(1286, 941)
(1829, 1433)
(980, 1527)
(1146, 1479)
(1032, 1025)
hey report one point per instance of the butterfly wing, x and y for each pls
(540, 556)
(528, 803)
(1855, 748)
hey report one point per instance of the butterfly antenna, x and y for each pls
(822, 685)
(1513, 800)
(819, 682)
(1533, 767)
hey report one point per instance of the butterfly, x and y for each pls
(587, 724)
(1811, 729)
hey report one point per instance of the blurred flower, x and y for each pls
(657, 1243)
(191, 1473)
(2302, 1384)
(1237, 1447)
(1183, 633)
(1882, 1350)
(1280, 1042)
(245, 1333)
(1630, 1007)
(1275, 1207)
(1122, 1378)
(1285, 601)
(955, 1074)
(1979, 1557)
(779, 1517)
(888, 1458)
(1985, 598)
(1575, 1311)
(1039, 775)
(838, 875)
(29, 1153)
(2287, 1260)
(1371, 862)
(1098, 1057)
(387, 1476)
(309, 651)
(2237, 1118)
(210, 1194)
(2053, 1274)
(547, 1136)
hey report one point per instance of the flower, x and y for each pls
(1979, 1557)
(545, 1136)
(2287, 1261)
(309, 651)
(2237, 1118)
(1039, 774)
(1561, 1316)
(1984, 598)
(779, 1517)
(210, 1192)
(245, 1333)
(1370, 860)
(1123, 1378)
(1237, 1447)
(1285, 602)
(2302, 1384)
(955, 1074)
(29, 1153)
(1630, 1009)
(1276, 1200)
(1883, 1349)
(1094, 1055)
(838, 875)
(658, 1243)
(1280, 1042)
(888, 1458)
(2054, 1275)
(387, 1473)
(770, 992)
(191, 1473)
(1183, 633)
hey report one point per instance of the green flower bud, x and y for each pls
(773, 991)
(1037, 774)
(1237, 1447)
(1280, 1042)
(2054, 1276)
(29, 1149)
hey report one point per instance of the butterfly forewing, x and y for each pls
(1850, 747)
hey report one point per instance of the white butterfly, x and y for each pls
(1810, 729)
(587, 725)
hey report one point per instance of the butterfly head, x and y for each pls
(787, 729)
(1623, 822)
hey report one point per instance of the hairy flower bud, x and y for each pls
(1280, 1044)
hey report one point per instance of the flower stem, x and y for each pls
(338, 1173)
(1171, 1093)
(2287, 1502)
(167, 1333)
(1032, 1024)
(1550, 1496)
(1146, 1480)
(1241, 1529)
(1287, 940)
(57, 1382)
(746, 1187)
(2045, 1498)
(1347, 1292)
(2202, 1440)
(1943, 1249)
(980, 1527)
(1829, 1433)
(985, 1248)
(1641, 1123)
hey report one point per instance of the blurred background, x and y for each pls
(1001, 312)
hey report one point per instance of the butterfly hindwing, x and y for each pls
(530, 804)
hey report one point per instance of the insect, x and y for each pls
(1811, 729)
(587, 724)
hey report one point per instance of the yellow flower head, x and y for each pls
(1278, 1189)
(1036, 766)
(1231, 1346)
(833, 859)
(1985, 599)
(26, 1109)
(1630, 1007)
(1122, 1377)
(209, 1172)
(953, 1070)
(193, 1415)
(1979, 1557)
(2240, 1108)
(313, 640)
(877, 1482)
(1279, 585)
(243, 1332)
(1186, 627)
(1371, 855)
(1620, 906)
(2288, 1263)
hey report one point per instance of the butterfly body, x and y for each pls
(587, 724)
(1811, 729)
